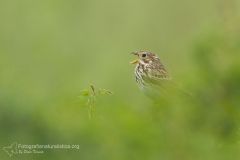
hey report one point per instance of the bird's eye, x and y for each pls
(144, 55)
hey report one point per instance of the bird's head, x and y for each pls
(144, 57)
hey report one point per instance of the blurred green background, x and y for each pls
(52, 49)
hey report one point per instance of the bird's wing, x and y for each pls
(158, 73)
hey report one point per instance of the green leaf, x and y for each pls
(105, 92)
(85, 93)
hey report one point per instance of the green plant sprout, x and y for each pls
(91, 94)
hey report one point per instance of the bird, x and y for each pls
(152, 76)
(149, 69)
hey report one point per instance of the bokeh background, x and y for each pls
(52, 49)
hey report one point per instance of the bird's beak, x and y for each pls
(136, 60)
(135, 53)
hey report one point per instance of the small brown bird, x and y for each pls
(152, 76)
(149, 70)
